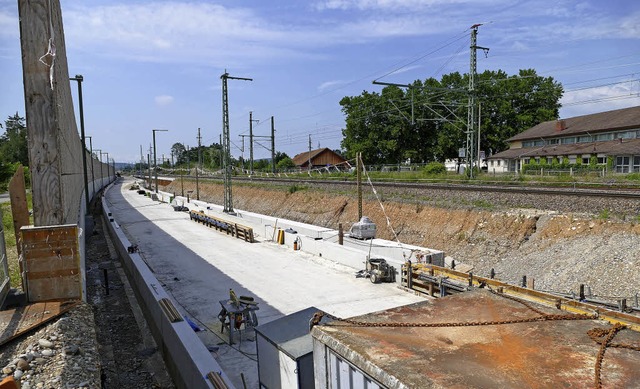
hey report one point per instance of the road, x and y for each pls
(4, 197)
(198, 265)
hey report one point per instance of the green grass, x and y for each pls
(10, 245)
(295, 188)
(604, 214)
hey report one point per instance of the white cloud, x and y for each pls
(394, 5)
(600, 99)
(329, 84)
(163, 100)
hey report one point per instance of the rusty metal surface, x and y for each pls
(537, 354)
(18, 321)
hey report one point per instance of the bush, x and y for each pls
(435, 168)
(294, 188)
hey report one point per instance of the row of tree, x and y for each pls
(13, 147)
(210, 158)
(428, 121)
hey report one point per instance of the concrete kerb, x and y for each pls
(320, 241)
(188, 360)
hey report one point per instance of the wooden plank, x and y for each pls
(19, 207)
(50, 232)
(53, 249)
(37, 275)
(51, 289)
(51, 263)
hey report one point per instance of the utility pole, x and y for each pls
(155, 156)
(100, 159)
(309, 165)
(93, 179)
(79, 79)
(273, 147)
(149, 165)
(199, 163)
(359, 182)
(251, 141)
(228, 193)
(471, 113)
(141, 160)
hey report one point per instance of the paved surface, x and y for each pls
(198, 265)
(4, 197)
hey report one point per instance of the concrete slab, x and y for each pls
(198, 265)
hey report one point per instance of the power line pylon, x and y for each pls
(226, 140)
(470, 147)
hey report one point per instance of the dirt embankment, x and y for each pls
(559, 250)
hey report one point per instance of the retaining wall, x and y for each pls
(188, 360)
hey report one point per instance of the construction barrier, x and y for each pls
(233, 229)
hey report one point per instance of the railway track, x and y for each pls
(575, 190)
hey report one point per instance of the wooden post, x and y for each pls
(340, 234)
(19, 208)
(55, 150)
(582, 292)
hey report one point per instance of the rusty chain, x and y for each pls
(597, 333)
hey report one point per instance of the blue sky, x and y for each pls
(157, 64)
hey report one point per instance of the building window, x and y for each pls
(622, 164)
(569, 140)
(585, 160)
(527, 143)
(604, 137)
(584, 139)
(549, 160)
(553, 141)
(491, 163)
(499, 162)
(602, 160)
(636, 164)
(572, 159)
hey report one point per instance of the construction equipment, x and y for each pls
(379, 270)
(238, 313)
(364, 229)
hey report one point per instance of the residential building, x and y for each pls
(610, 139)
(318, 158)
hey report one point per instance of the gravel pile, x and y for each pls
(62, 354)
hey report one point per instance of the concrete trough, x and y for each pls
(188, 360)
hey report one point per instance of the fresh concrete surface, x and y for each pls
(197, 265)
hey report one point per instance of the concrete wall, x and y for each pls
(187, 359)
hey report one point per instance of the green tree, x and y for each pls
(285, 163)
(428, 121)
(178, 151)
(13, 143)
